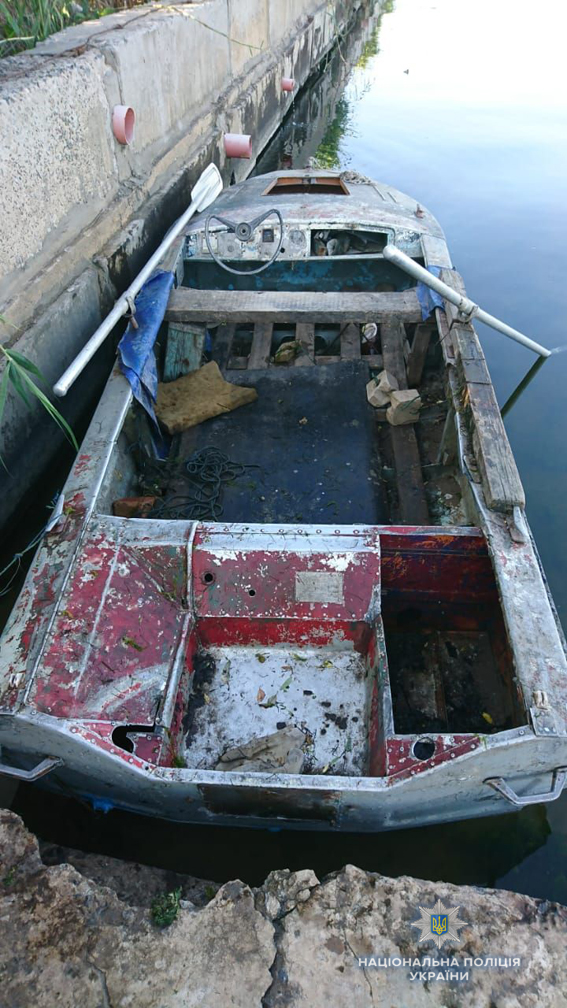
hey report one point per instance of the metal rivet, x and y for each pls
(522, 732)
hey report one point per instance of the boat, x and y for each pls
(315, 614)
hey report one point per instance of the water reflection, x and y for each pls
(476, 852)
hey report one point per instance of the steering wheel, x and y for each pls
(243, 231)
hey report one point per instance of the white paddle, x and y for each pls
(206, 189)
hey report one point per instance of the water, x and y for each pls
(475, 131)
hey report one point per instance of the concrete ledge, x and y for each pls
(77, 930)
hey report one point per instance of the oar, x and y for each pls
(206, 189)
(464, 304)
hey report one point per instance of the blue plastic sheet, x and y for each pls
(136, 348)
(429, 299)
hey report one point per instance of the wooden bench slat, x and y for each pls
(188, 305)
(409, 478)
(305, 335)
(418, 353)
(261, 345)
(350, 342)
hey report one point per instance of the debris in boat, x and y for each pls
(280, 751)
(287, 352)
(404, 407)
(369, 335)
(133, 507)
(196, 397)
(380, 388)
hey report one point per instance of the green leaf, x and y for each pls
(48, 405)
(18, 385)
(28, 365)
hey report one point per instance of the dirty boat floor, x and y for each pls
(246, 692)
(309, 445)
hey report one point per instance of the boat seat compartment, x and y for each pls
(449, 660)
(285, 637)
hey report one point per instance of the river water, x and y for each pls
(460, 103)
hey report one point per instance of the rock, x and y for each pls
(133, 507)
(287, 352)
(404, 407)
(278, 751)
(68, 941)
(68, 938)
(379, 389)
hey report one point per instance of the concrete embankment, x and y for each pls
(77, 929)
(79, 212)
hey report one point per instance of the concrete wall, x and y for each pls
(79, 213)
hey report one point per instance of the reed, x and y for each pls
(25, 22)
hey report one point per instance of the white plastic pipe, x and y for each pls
(464, 304)
(205, 190)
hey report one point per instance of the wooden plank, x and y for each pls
(411, 493)
(323, 359)
(500, 478)
(350, 342)
(418, 353)
(186, 304)
(392, 336)
(222, 344)
(305, 335)
(184, 349)
(501, 481)
(261, 345)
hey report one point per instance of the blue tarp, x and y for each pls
(136, 348)
(429, 299)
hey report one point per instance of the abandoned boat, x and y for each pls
(318, 616)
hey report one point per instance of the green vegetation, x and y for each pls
(17, 375)
(165, 909)
(25, 22)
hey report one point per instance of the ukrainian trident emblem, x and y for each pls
(439, 923)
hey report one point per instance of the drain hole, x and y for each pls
(208, 578)
(120, 735)
(423, 749)
(251, 591)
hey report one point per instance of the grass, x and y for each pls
(165, 908)
(23, 23)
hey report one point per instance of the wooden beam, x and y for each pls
(188, 305)
(350, 342)
(392, 336)
(222, 344)
(305, 335)
(261, 345)
(418, 353)
(500, 477)
(411, 493)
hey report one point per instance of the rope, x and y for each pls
(17, 558)
(207, 470)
